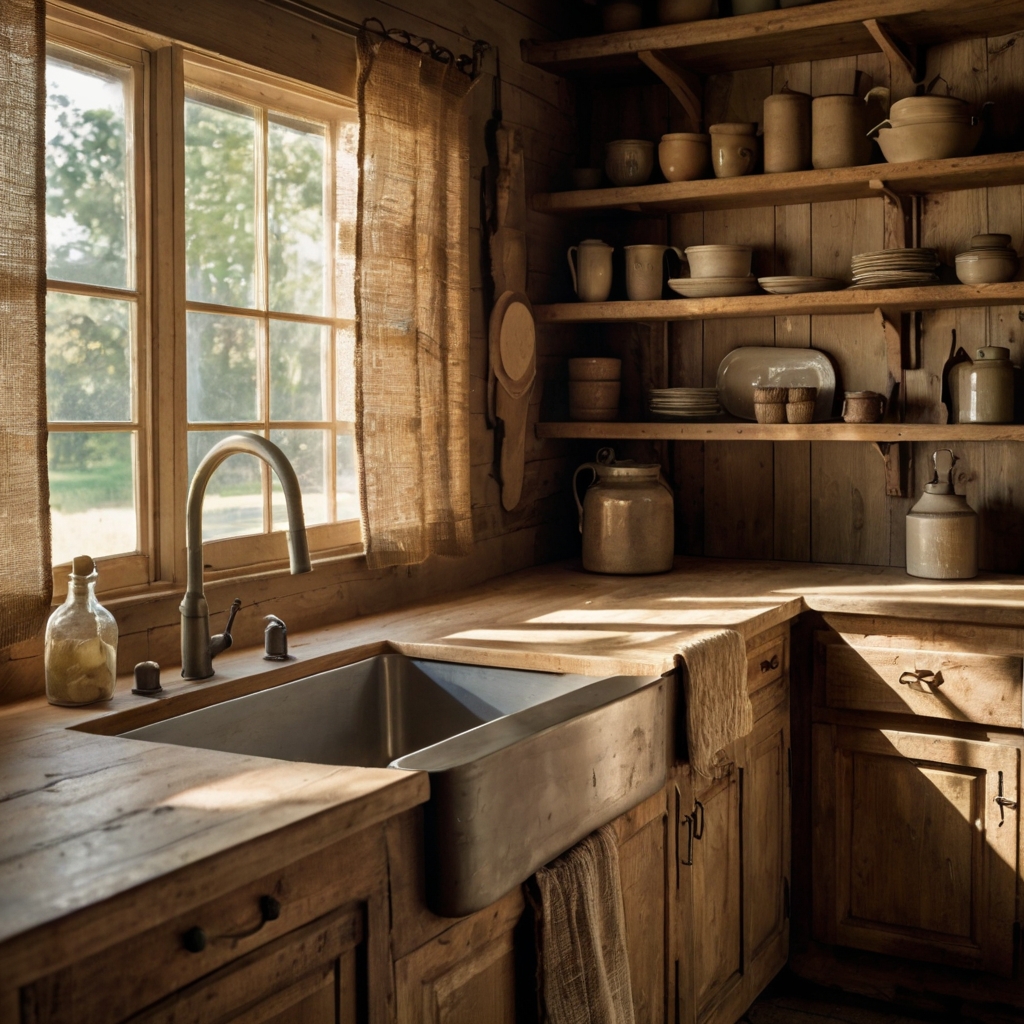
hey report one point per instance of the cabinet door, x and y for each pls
(766, 846)
(716, 897)
(916, 841)
(466, 974)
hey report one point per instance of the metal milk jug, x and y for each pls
(942, 530)
(626, 517)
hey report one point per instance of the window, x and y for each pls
(257, 195)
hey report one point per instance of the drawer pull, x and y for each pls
(195, 940)
(923, 680)
(770, 666)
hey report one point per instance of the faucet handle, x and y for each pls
(222, 641)
(275, 639)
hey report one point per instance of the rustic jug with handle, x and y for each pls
(626, 517)
(592, 282)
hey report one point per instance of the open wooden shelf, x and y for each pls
(732, 431)
(891, 300)
(790, 36)
(916, 178)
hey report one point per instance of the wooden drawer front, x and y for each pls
(767, 666)
(957, 685)
(121, 980)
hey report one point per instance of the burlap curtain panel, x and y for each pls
(412, 299)
(24, 495)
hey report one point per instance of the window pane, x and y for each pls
(222, 368)
(307, 451)
(298, 358)
(295, 209)
(87, 175)
(234, 496)
(345, 375)
(347, 479)
(220, 203)
(92, 494)
(88, 358)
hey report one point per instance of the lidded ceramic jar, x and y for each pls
(986, 387)
(942, 530)
(626, 517)
(787, 131)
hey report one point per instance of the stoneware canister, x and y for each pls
(626, 517)
(645, 270)
(839, 132)
(787, 132)
(942, 529)
(986, 387)
(592, 279)
(733, 148)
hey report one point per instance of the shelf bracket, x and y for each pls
(683, 84)
(896, 349)
(896, 54)
(899, 227)
(897, 456)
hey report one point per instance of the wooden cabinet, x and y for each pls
(734, 856)
(916, 847)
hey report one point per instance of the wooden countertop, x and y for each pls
(109, 833)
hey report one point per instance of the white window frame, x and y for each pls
(162, 68)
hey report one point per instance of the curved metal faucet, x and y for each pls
(198, 648)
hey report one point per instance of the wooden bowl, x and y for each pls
(770, 412)
(800, 412)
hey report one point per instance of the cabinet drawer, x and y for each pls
(962, 686)
(119, 981)
(767, 667)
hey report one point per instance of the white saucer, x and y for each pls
(713, 287)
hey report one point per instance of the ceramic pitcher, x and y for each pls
(645, 270)
(592, 279)
(626, 517)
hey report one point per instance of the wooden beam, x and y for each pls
(681, 83)
(896, 457)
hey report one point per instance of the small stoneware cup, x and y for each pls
(800, 412)
(645, 270)
(629, 161)
(684, 156)
(863, 407)
(733, 149)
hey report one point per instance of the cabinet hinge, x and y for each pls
(785, 899)
(789, 767)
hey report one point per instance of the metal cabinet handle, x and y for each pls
(922, 680)
(688, 859)
(698, 820)
(770, 666)
(195, 939)
(1003, 802)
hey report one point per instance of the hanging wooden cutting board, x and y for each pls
(513, 359)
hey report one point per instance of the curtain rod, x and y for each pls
(470, 64)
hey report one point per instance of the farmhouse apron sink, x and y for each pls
(522, 764)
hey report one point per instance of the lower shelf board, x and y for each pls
(880, 432)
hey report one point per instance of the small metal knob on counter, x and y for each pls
(275, 639)
(147, 679)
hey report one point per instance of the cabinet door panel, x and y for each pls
(923, 857)
(717, 893)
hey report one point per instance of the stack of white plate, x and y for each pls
(685, 403)
(895, 268)
(792, 285)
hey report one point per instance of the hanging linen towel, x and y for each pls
(582, 967)
(717, 705)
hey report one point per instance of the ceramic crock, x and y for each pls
(942, 530)
(626, 517)
(787, 132)
(985, 387)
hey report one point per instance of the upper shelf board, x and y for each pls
(894, 300)
(789, 36)
(917, 178)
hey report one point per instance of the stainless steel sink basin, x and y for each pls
(522, 764)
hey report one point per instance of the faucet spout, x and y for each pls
(197, 647)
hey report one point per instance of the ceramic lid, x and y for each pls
(687, 137)
(734, 128)
(992, 352)
(606, 466)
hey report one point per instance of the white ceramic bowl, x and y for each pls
(629, 161)
(986, 266)
(932, 140)
(719, 260)
(990, 241)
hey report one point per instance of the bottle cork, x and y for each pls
(83, 565)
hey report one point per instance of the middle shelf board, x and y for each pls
(891, 300)
(918, 177)
(732, 431)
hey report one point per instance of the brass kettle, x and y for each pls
(942, 530)
(626, 517)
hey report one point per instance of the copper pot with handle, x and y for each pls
(626, 517)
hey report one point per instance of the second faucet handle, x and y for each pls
(275, 639)
(222, 641)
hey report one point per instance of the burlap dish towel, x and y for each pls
(718, 709)
(582, 967)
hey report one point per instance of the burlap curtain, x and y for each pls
(412, 301)
(24, 494)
